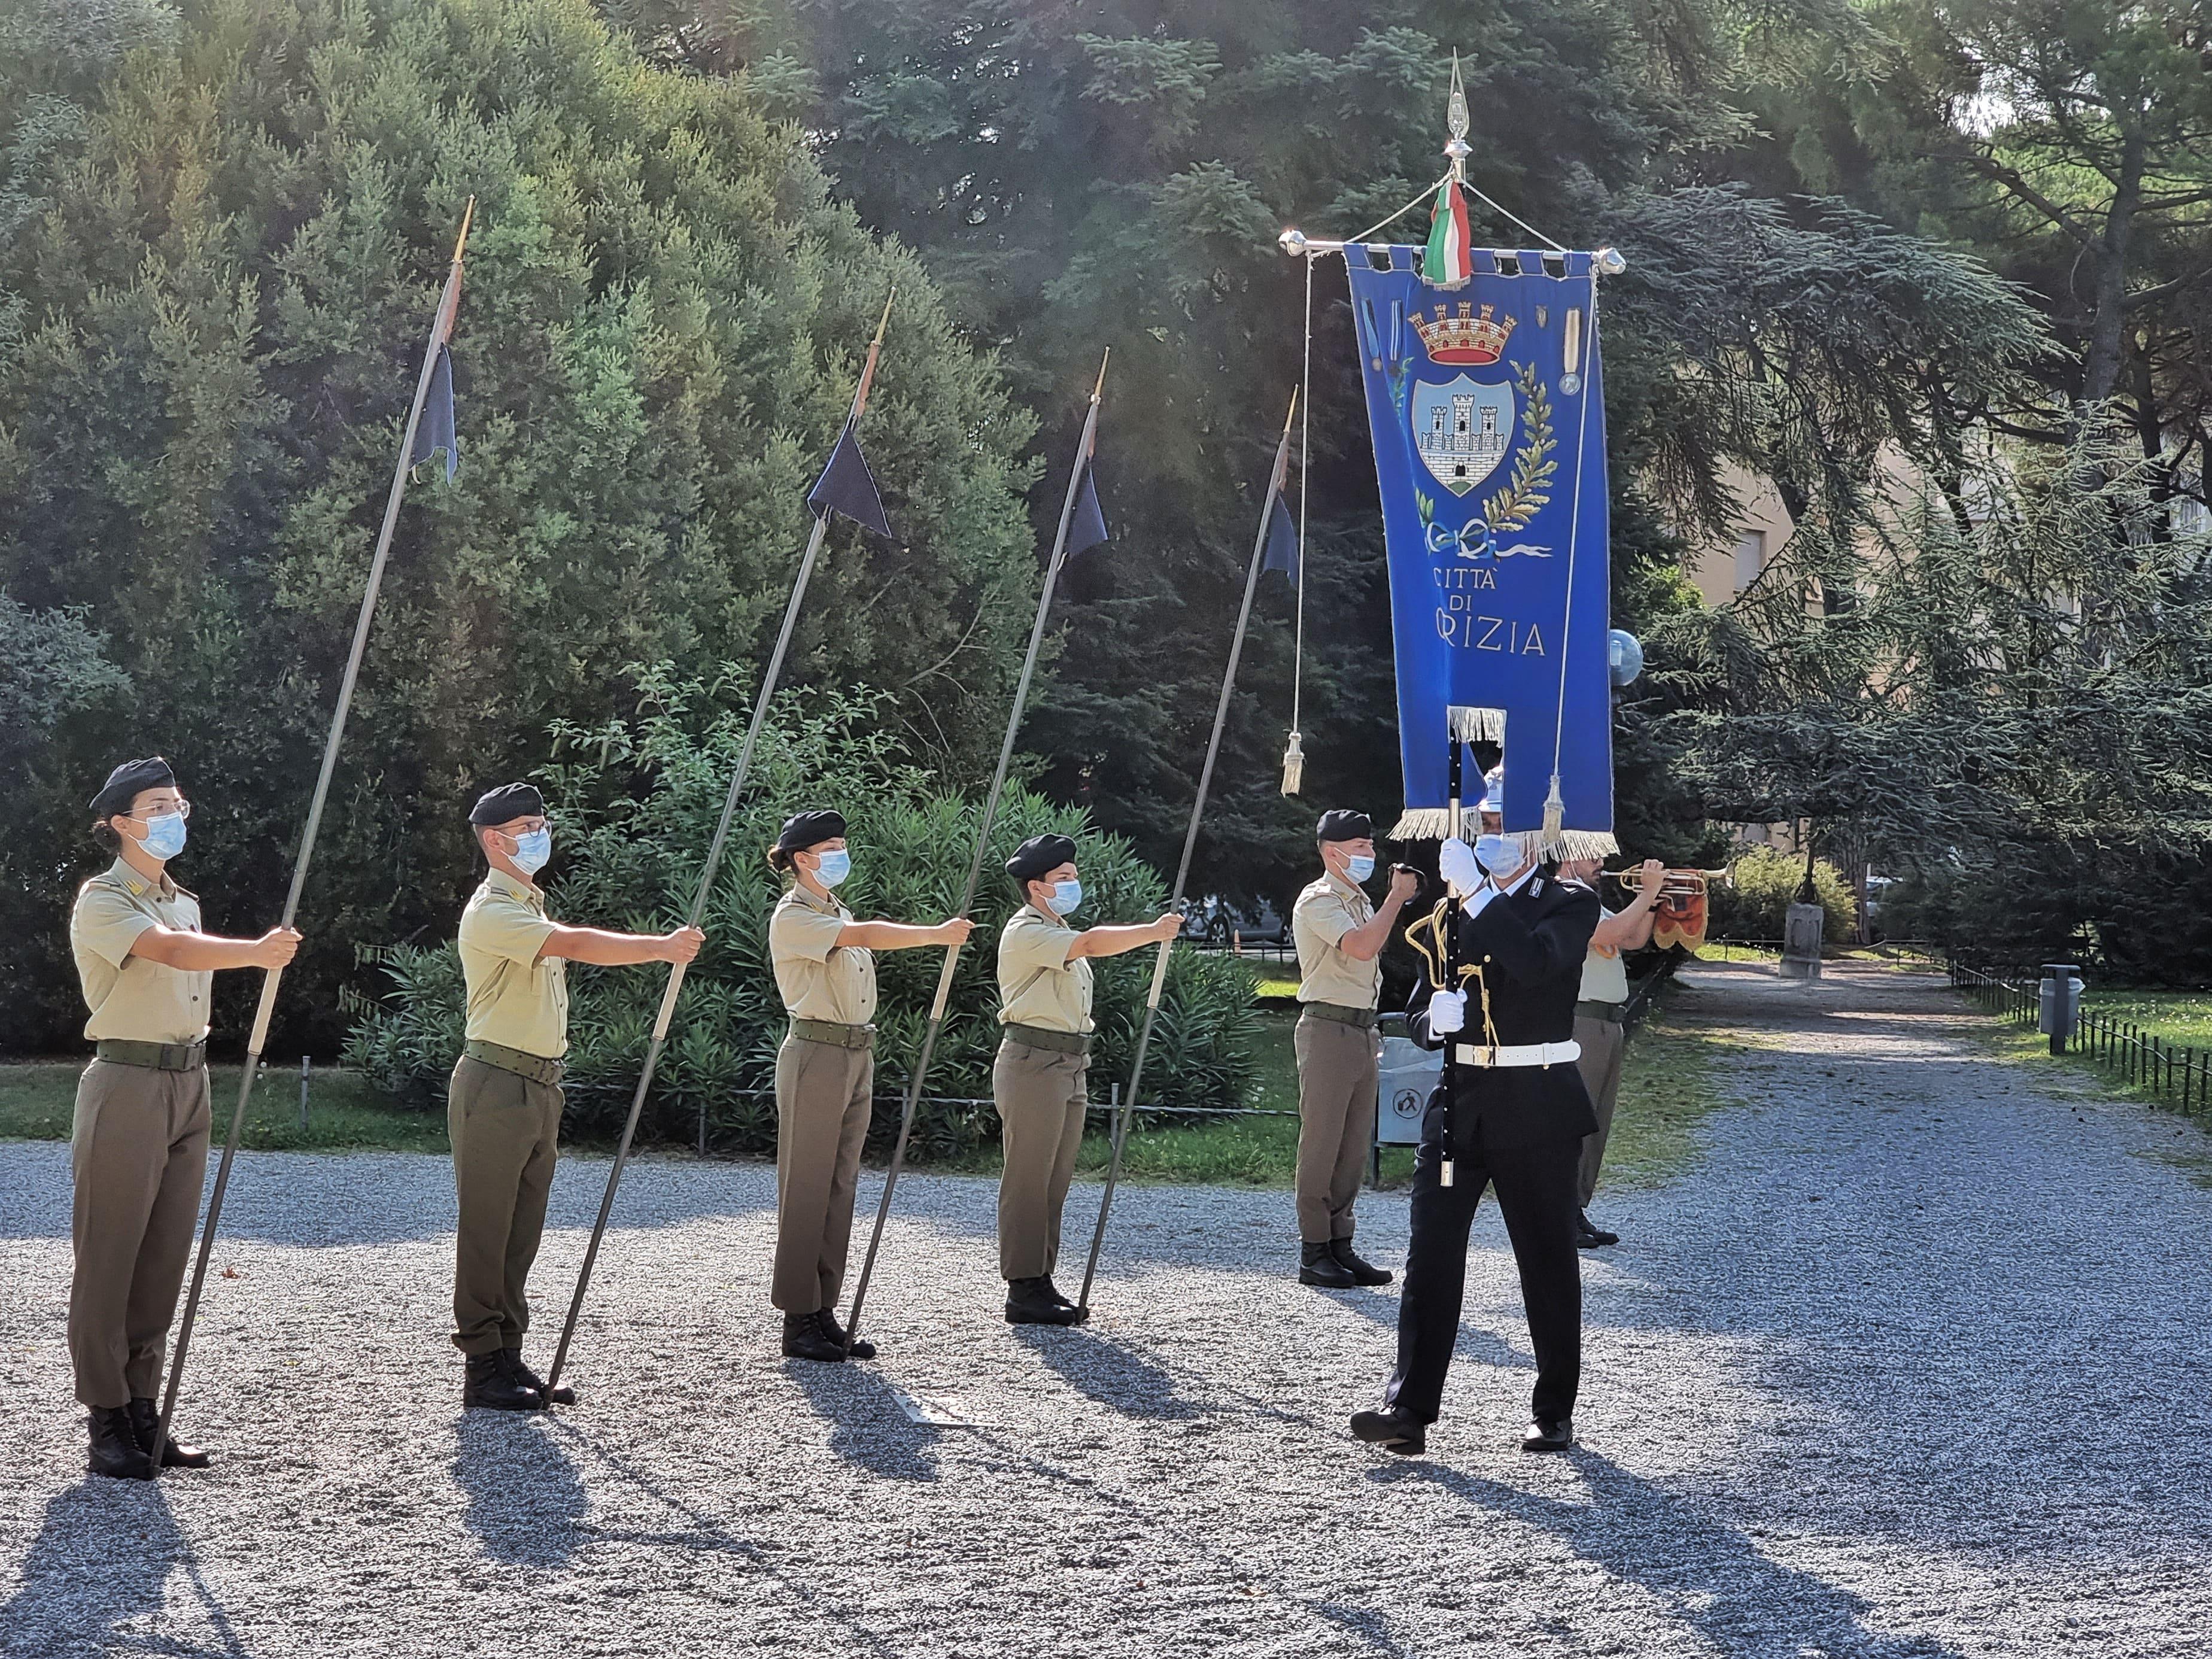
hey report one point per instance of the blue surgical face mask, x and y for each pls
(1497, 854)
(1066, 895)
(165, 836)
(1359, 866)
(532, 850)
(835, 866)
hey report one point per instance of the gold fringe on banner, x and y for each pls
(1469, 724)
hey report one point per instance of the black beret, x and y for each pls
(803, 830)
(505, 804)
(1039, 854)
(1343, 825)
(130, 781)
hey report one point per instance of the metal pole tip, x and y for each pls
(1292, 242)
(1608, 260)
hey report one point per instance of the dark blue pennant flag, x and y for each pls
(434, 430)
(1282, 552)
(846, 486)
(1087, 528)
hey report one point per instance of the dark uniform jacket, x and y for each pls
(1530, 945)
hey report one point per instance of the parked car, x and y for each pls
(1213, 922)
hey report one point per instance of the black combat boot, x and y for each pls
(1394, 1430)
(1060, 1296)
(1590, 1237)
(805, 1339)
(145, 1418)
(855, 1348)
(114, 1448)
(1317, 1265)
(492, 1384)
(529, 1379)
(1548, 1435)
(1362, 1272)
(1034, 1302)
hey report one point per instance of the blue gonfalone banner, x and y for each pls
(1488, 416)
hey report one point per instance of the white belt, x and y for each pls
(1518, 1053)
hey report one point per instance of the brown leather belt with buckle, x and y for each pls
(536, 1068)
(153, 1056)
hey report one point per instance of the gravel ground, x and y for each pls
(1911, 1365)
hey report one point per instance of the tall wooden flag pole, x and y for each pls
(1084, 451)
(1270, 504)
(707, 874)
(441, 332)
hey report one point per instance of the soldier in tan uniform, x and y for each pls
(1598, 1027)
(1339, 938)
(825, 969)
(138, 1150)
(503, 1108)
(1040, 1082)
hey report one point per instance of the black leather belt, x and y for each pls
(154, 1056)
(1610, 1013)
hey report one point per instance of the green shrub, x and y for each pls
(1763, 884)
(628, 853)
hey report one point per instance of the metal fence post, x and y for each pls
(303, 1094)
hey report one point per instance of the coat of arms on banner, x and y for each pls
(1462, 431)
(1463, 428)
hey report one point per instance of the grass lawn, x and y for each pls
(1666, 1091)
(2182, 1017)
(37, 1100)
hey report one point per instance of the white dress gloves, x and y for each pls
(1447, 1009)
(1456, 862)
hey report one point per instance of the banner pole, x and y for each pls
(440, 331)
(705, 892)
(1083, 457)
(1128, 1101)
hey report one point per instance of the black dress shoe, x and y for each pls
(1394, 1431)
(1544, 1437)
(521, 1373)
(1588, 1237)
(855, 1348)
(1317, 1265)
(493, 1384)
(115, 1450)
(145, 1418)
(1362, 1272)
(1034, 1302)
(805, 1339)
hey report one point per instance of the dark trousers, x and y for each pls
(1536, 1193)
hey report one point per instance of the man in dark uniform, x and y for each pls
(1517, 1122)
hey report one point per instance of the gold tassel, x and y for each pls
(1294, 766)
(1555, 815)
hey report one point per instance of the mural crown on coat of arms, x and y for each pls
(1463, 336)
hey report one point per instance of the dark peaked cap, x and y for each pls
(1038, 854)
(505, 804)
(130, 781)
(803, 830)
(1343, 825)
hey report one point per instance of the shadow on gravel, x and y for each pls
(1476, 1346)
(1110, 1374)
(99, 1564)
(869, 1427)
(1709, 1575)
(524, 1495)
(1371, 1626)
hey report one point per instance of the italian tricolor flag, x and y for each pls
(1446, 260)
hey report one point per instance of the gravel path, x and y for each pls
(1912, 1364)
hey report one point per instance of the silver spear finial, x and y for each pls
(1456, 119)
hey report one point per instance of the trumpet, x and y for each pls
(1676, 884)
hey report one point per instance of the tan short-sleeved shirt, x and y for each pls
(514, 999)
(820, 979)
(1037, 984)
(1324, 913)
(133, 997)
(1605, 975)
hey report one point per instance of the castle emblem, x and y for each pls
(1462, 431)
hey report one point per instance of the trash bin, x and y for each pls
(1409, 1075)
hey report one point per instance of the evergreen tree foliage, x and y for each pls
(227, 288)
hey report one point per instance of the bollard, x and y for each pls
(303, 1094)
(2058, 1003)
